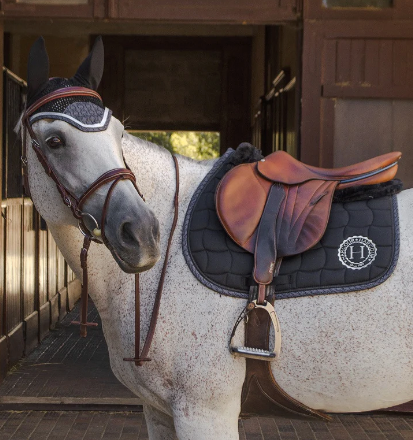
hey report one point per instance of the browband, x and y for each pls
(61, 93)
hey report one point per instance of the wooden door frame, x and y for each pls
(91, 9)
(183, 11)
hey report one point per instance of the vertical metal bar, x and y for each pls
(4, 323)
(37, 270)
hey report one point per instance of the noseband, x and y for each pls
(98, 234)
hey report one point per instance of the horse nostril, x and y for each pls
(127, 233)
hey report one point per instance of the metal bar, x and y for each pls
(278, 78)
(15, 77)
(290, 85)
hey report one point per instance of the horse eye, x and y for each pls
(54, 142)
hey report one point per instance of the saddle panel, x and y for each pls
(281, 167)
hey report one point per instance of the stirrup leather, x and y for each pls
(257, 353)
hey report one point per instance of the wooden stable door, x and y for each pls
(357, 95)
(180, 83)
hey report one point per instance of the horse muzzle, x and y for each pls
(134, 242)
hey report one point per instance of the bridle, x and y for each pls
(76, 204)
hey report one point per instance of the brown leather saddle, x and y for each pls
(279, 207)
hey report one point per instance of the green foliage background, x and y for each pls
(195, 144)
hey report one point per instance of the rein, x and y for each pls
(98, 234)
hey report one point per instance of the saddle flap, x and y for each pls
(304, 216)
(240, 200)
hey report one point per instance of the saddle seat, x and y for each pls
(283, 168)
(279, 206)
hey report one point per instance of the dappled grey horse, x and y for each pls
(341, 353)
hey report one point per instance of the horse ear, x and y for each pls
(90, 71)
(37, 68)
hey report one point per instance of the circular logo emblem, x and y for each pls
(357, 252)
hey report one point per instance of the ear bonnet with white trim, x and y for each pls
(83, 112)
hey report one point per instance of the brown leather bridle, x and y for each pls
(76, 204)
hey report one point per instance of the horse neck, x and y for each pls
(112, 290)
(157, 179)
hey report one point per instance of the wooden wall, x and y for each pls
(36, 285)
(357, 97)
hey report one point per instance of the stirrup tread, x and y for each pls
(254, 353)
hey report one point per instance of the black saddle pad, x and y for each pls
(358, 251)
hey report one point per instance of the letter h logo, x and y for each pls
(354, 252)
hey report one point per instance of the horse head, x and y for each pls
(78, 142)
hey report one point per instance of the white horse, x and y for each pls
(341, 353)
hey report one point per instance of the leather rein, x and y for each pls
(98, 234)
